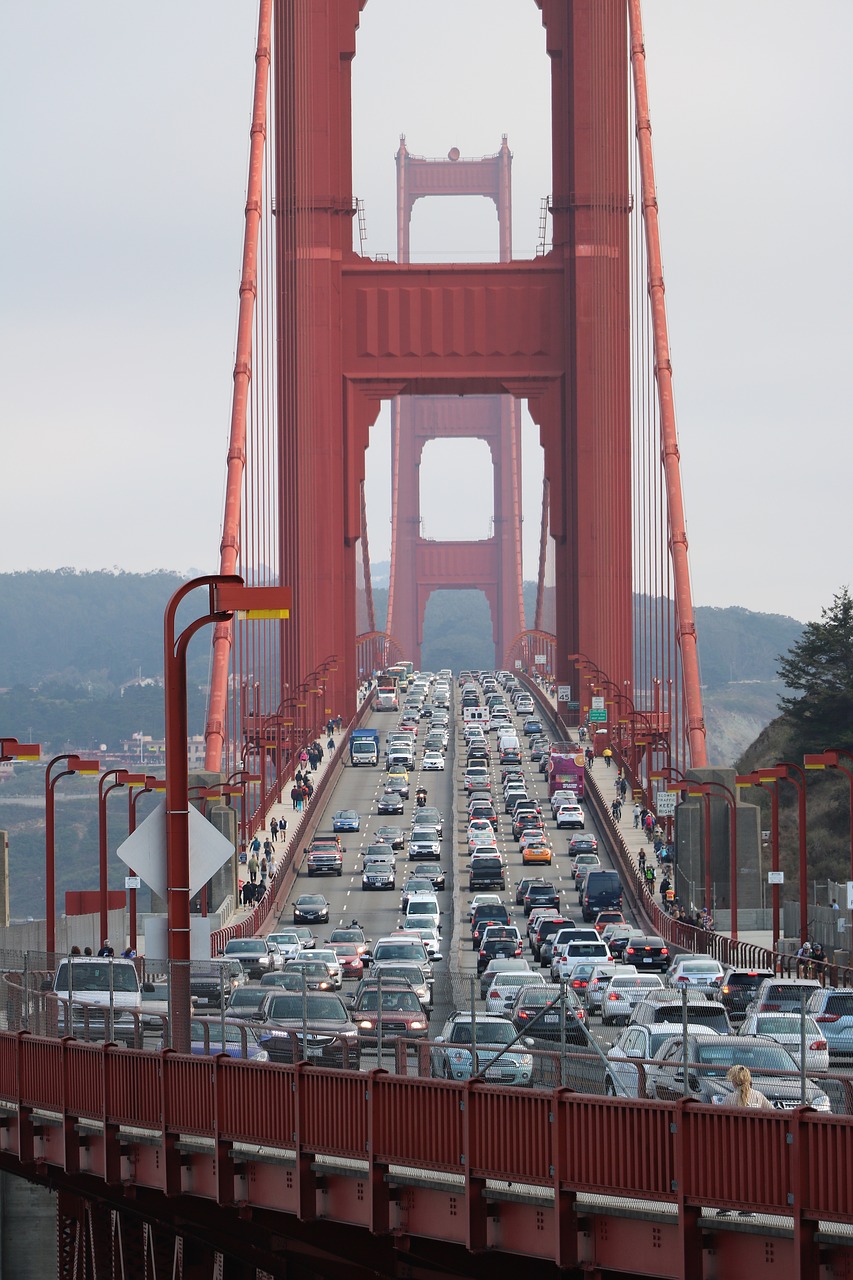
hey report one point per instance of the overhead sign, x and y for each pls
(598, 703)
(775, 877)
(665, 802)
(564, 693)
(145, 850)
(598, 715)
(541, 658)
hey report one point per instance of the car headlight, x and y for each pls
(820, 1102)
(719, 1099)
(458, 1056)
(418, 1026)
(366, 1025)
(262, 1056)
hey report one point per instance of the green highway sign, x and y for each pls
(598, 715)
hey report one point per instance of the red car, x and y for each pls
(349, 955)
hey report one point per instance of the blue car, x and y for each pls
(240, 1042)
(346, 820)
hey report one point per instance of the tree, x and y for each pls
(820, 664)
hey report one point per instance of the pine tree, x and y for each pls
(820, 664)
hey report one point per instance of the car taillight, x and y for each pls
(726, 990)
(613, 996)
(681, 978)
(495, 995)
(818, 1044)
(518, 949)
(631, 951)
(664, 951)
(482, 952)
(523, 1014)
(827, 1017)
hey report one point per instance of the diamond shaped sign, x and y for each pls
(145, 850)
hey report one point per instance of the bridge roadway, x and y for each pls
(357, 1174)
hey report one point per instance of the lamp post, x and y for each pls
(12, 749)
(670, 774)
(768, 780)
(120, 778)
(133, 793)
(73, 764)
(830, 758)
(707, 789)
(788, 771)
(243, 779)
(227, 595)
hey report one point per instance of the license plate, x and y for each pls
(647, 959)
(551, 1017)
(315, 1051)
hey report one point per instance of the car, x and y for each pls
(388, 1007)
(621, 937)
(783, 995)
(390, 802)
(628, 1058)
(536, 1011)
(597, 983)
(480, 833)
(574, 953)
(703, 972)
(305, 935)
(483, 917)
(504, 985)
(787, 1029)
(645, 952)
(311, 906)
(397, 947)
(583, 851)
(531, 727)
(379, 873)
(522, 885)
(541, 893)
(623, 993)
(206, 1039)
(329, 957)
(738, 987)
(332, 1037)
(428, 816)
(246, 1001)
(432, 872)
(476, 779)
(579, 980)
(424, 845)
(325, 856)
(832, 1010)
(536, 852)
(416, 884)
(483, 811)
(662, 1007)
(482, 900)
(452, 1055)
(501, 964)
(435, 741)
(288, 942)
(346, 820)
(349, 958)
(604, 918)
(499, 941)
(288, 980)
(710, 1057)
(257, 955)
(406, 971)
(526, 819)
(570, 815)
(433, 761)
(486, 869)
(315, 975)
(546, 926)
(393, 836)
(348, 933)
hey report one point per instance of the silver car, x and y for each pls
(452, 1053)
(623, 993)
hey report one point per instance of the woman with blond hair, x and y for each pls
(744, 1095)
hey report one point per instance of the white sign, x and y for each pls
(518, 664)
(850, 895)
(841, 923)
(145, 850)
(665, 802)
(133, 882)
(564, 693)
(541, 659)
(598, 704)
(775, 877)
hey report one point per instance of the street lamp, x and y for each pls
(133, 793)
(227, 595)
(706, 789)
(767, 780)
(830, 758)
(73, 764)
(12, 749)
(120, 778)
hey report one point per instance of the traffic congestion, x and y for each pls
(456, 915)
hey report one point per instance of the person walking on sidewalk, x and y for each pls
(252, 868)
(637, 817)
(273, 830)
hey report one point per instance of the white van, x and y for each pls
(104, 994)
(477, 715)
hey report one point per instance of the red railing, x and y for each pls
(619, 1147)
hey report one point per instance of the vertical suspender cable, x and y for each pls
(229, 548)
(685, 623)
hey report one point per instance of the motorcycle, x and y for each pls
(420, 797)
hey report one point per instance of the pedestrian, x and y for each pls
(307, 792)
(665, 887)
(271, 866)
(744, 1094)
(255, 846)
(636, 816)
(295, 793)
(267, 850)
(297, 777)
(614, 806)
(303, 758)
(282, 830)
(128, 954)
(273, 829)
(339, 722)
(608, 756)
(75, 951)
(299, 799)
(106, 948)
(87, 951)
(834, 905)
(263, 868)
(581, 733)
(590, 756)
(330, 726)
(624, 787)
(330, 745)
(252, 868)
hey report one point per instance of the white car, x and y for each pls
(696, 971)
(482, 900)
(480, 832)
(786, 1030)
(577, 953)
(289, 943)
(433, 760)
(623, 993)
(505, 987)
(570, 815)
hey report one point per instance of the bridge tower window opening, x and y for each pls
(458, 631)
(457, 490)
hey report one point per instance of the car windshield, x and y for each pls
(86, 976)
(313, 968)
(587, 948)
(291, 981)
(285, 939)
(308, 900)
(347, 935)
(233, 1035)
(244, 947)
(293, 1008)
(487, 1033)
(246, 998)
(408, 972)
(401, 951)
(699, 966)
(758, 1057)
(404, 1001)
(769, 1024)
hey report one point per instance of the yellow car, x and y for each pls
(536, 853)
(401, 774)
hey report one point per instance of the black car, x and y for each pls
(501, 942)
(523, 885)
(489, 913)
(541, 893)
(647, 953)
(737, 989)
(536, 1012)
(390, 802)
(332, 1039)
(311, 907)
(399, 784)
(394, 836)
(709, 1060)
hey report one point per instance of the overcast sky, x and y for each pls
(124, 146)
